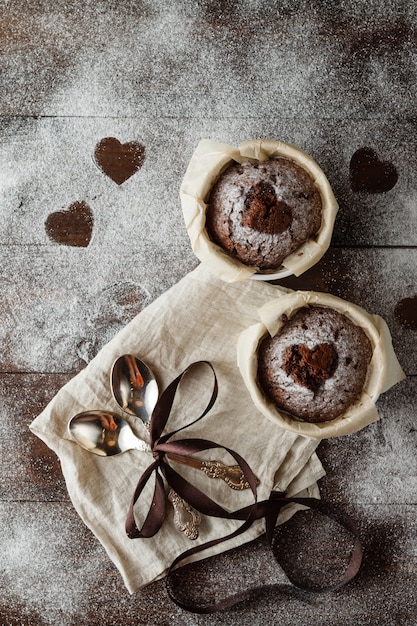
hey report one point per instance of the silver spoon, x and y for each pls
(134, 387)
(104, 433)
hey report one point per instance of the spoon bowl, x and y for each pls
(134, 387)
(104, 433)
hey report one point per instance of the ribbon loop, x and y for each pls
(159, 447)
(156, 515)
(267, 509)
(163, 407)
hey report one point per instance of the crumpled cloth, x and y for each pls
(197, 319)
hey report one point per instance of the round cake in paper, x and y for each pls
(315, 368)
(261, 212)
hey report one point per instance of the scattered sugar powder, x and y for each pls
(62, 303)
(387, 472)
(60, 322)
(46, 545)
(155, 62)
(377, 465)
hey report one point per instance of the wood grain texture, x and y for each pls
(336, 79)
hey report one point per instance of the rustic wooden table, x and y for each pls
(83, 251)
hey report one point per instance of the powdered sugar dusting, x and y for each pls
(34, 562)
(233, 199)
(312, 328)
(329, 77)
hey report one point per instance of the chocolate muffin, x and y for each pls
(260, 213)
(315, 368)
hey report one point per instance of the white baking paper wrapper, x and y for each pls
(209, 160)
(384, 370)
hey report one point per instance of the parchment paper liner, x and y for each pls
(209, 160)
(384, 370)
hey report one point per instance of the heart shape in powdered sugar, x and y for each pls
(119, 161)
(72, 227)
(369, 174)
(406, 312)
(310, 367)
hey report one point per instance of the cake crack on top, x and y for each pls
(264, 211)
(310, 367)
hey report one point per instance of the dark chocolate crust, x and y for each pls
(262, 212)
(315, 368)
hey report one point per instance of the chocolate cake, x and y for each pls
(260, 213)
(314, 368)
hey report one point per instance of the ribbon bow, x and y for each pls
(160, 446)
(266, 509)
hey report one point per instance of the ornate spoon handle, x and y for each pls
(231, 474)
(186, 519)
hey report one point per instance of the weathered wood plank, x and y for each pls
(54, 572)
(208, 60)
(30, 470)
(55, 318)
(48, 164)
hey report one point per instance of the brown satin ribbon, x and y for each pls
(266, 509)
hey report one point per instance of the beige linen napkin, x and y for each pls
(197, 319)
